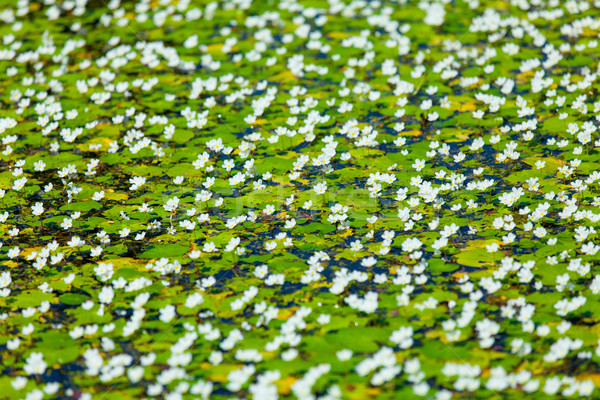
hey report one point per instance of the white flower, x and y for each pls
(171, 204)
(344, 355)
(35, 365)
(5, 279)
(194, 300)
(37, 209)
(320, 188)
(403, 337)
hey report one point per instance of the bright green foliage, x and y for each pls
(299, 199)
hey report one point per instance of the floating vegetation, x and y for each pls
(299, 199)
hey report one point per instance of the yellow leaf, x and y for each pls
(468, 106)
(115, 196)
(339, 35)
(214, 47)
(361, 392)
(284, 385)
(285, 313)
(284, 76)
(524, 77)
